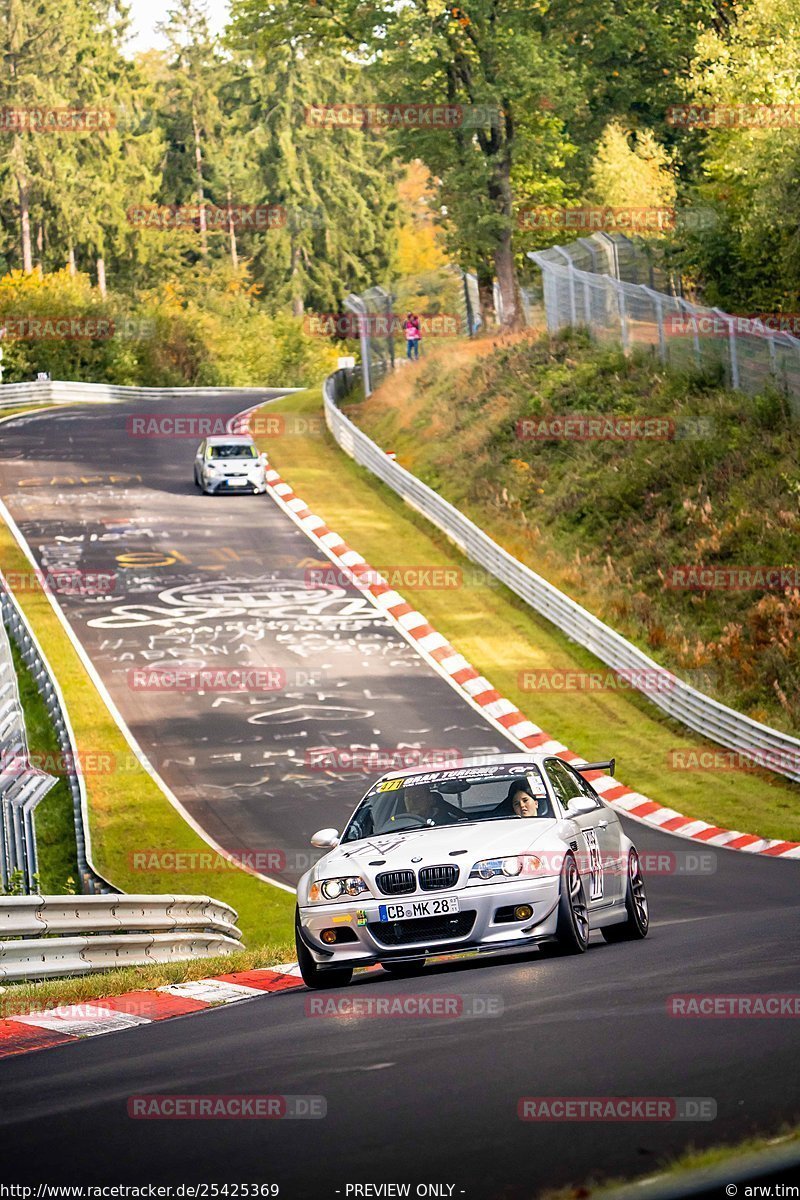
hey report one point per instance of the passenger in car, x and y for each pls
(524, 803)
(520, 802)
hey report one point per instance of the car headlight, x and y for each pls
(337, 889)
(212, 467)
(516, 867)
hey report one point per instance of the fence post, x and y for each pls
(355, 304)
(623, 316)
(468, 305)
(734, 355)
(659, 307)
(773, 357)
(690, 311)
(732, 351)
(389, 323)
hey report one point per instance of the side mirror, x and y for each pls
(326, 839)
(579, 806)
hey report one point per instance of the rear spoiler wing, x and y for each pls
(608, 767)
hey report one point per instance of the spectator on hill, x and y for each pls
(411, 330)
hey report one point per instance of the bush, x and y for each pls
(211, 331)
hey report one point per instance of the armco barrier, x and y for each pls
(109, 931)
(33, 657)
(21, 785)
(58, 391)
(686, 704)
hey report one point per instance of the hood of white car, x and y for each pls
(463, 845)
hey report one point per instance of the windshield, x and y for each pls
(449, 798)
(233, 451)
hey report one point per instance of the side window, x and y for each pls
(202, 450)
(563, 782)
(586, 788)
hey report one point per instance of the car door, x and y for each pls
(609, 834)
(600, 831)
(198, 459)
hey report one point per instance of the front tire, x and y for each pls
(572, 928)
(312, 975)
(637, 910)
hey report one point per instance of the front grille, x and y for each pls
(422, 930)
(432, 879)
(396, 883)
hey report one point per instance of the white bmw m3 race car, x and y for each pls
(501, 853)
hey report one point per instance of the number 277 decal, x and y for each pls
(595, 865)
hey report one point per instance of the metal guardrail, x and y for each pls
(22, 786)
(770, 747)
(12, 618)
(42, 936)
(57, 391)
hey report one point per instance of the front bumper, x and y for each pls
(357, 921)
(223, 484)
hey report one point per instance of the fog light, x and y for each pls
(328, 936)
(523, 911)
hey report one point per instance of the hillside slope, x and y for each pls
(712, 481)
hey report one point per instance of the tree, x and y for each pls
(631, 169)
(195, 66)
(42, 68)
(491, 61)
(749, 172)
(332, 190)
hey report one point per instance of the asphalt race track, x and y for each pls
(422, 1100)
(221, 582)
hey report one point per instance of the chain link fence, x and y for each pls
(379, 317)
(608, 284)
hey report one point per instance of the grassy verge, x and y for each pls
(127, 809)
(672, 1169)
(19, 998)
(502, 638)
(14, 411)
(55, 826)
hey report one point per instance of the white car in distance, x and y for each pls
(230, 463)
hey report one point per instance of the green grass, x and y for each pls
(502, 637)
(127, 809)
(19, 998)
(13, 410)
(672, 1168)
(605, 520)
(54, 816)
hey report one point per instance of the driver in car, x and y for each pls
(421, 802)
(524, 804)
